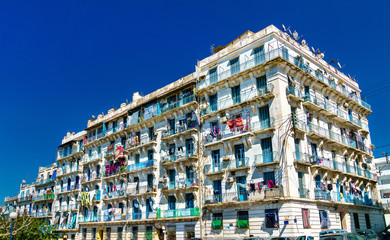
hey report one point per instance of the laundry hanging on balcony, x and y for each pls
(150, 111)
(236, 123)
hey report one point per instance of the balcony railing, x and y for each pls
(43, 197)
(187, 212)
(177, 156)
(267, 56)
(244, 195)
(243, 97)
(178, 103)
(43, 214)
(216, 167)
(266, 158)
(114, 194)
(141, 165)
(93, 157)
(90, 217)
(304, 193)
(263, 124)
(64, 170)
(66, 226)
(70, 207)
(294, 91)
(93, 138)
(239, 163)
(44, 181)
(179, 129)
(108, 217)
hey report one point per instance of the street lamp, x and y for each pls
(13, 216)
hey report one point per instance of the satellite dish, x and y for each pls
(284, 28)
(295, 35)
(303, 42)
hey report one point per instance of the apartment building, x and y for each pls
(383, 166)
(264, 139)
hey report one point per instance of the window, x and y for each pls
(234, 65)
(73, 236)
(305, 218)
(236, 94)
(84, 233)
(356, 221)
(150, 155)
(284, 52)
(190, 232)
(93, 233)
(271, 218)
(134, 232)
(213, 103)
(108, 233)
(217, 222)
(259, 55)
(216, 161)
(324, 220)
(189, 200)
(171, 202)
(242, 219)
(266, 148)
(149, 233)
(213, 75)
(189, 148)
(151, 134)
(264, 117)
(150, 181)
(261, 83)
(368, 222)
(120, 232)
(171, 232)
(268, 177)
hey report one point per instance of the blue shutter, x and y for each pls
(266, 147)
(264, 117)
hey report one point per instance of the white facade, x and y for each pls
(382, 165)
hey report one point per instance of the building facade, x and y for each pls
(264, 139)
(382, 165)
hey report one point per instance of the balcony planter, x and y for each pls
(217, 224)
(242, 224)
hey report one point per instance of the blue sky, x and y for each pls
(63, 61)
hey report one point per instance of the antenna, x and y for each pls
(339, 65)
(212, 48)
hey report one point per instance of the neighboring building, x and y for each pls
(383, 167)
(67, 188)
(264, 139)
(25, 200)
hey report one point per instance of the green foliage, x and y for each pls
(28, 229)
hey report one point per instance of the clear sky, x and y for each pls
(63, 61)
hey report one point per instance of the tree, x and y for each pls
(26, 228)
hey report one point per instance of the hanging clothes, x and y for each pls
(231, 124)
(239, 123)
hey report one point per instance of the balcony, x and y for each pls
(109, 217)
(92, 159)
(234, 198)
(25, 199)
(68, 189)
(138, 191)
(43, 197)
(265, 124)
(44, 182)
(67, 170)
(93, 138)
(240, 164)
(43, 214)
(217, 223)
(189, 184)
(266, 159)
(180, 130)
(178, 157)
(142, 166)
(113, 170)
(302, 158)
(133, 144)
(70, 207)
(63, 154)
(114, 194)
(262, 93)
(336, 197)
(69, 226)
(294, 94)
(216, 168)
(181, 102)
(322, 195)
(304, 193)
(90, 217)
(177, 213)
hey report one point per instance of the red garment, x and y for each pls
(231, 125)
(239, 123)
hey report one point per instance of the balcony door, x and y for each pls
(241, 188)
(239, 152)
